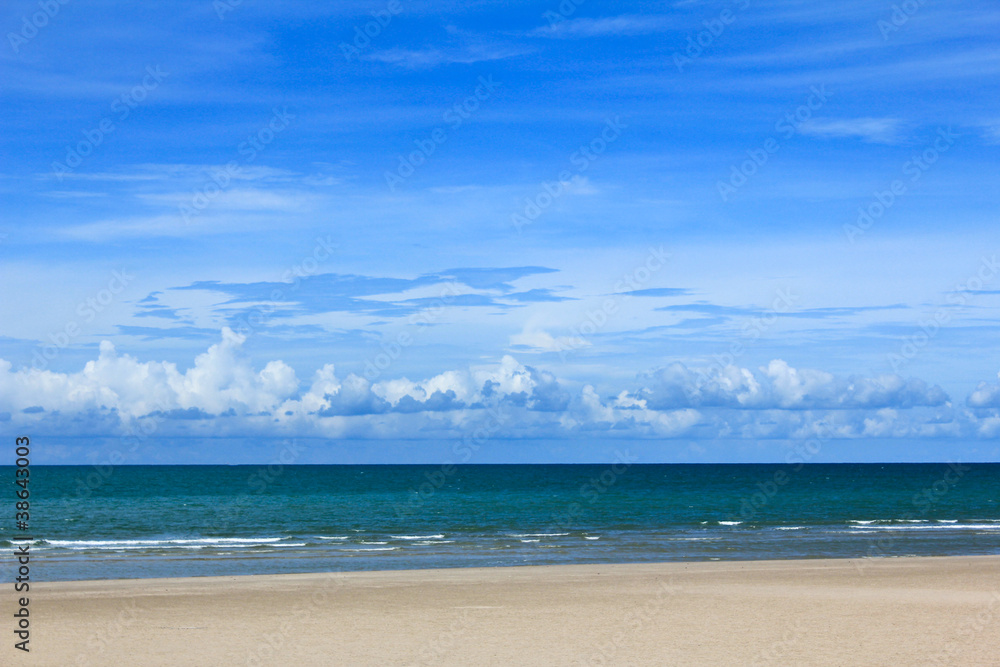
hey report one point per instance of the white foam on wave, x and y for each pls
(526, 541)
(789, 527)
(228, 541)
(133, 547)
(334, 537)
(539, 534)
(730, 523)
(588, 537)
(946, 526)
(372, 549)
(417, 537)
(695, 539)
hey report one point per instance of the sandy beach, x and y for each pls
(904, 611)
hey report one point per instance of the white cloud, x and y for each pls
(428, 58)
(986, 395)
(991, 133)
(779, 386)
(222, 394)
(537, 340)
(872, 130)
(624, 25)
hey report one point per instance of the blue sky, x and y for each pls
(711, 231)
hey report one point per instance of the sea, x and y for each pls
(94, 522)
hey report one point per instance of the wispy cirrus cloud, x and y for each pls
(433, 57)
(380, 296)
(612, 26)
(871, 130)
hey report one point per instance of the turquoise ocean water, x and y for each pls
(158, 521)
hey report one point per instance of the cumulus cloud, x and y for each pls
(986, 395)
(220, 380)
(224, 394)
(779, 386)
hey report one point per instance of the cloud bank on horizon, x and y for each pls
(690, 221)
(222, 394)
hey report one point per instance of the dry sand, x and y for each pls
(904, 611)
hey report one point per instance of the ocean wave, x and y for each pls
(946, 526)
(695, 539)
(539, 534)
(879, 522)
(228, 541)
(417, 537)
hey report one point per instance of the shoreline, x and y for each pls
(862, 559)
(935, 610)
